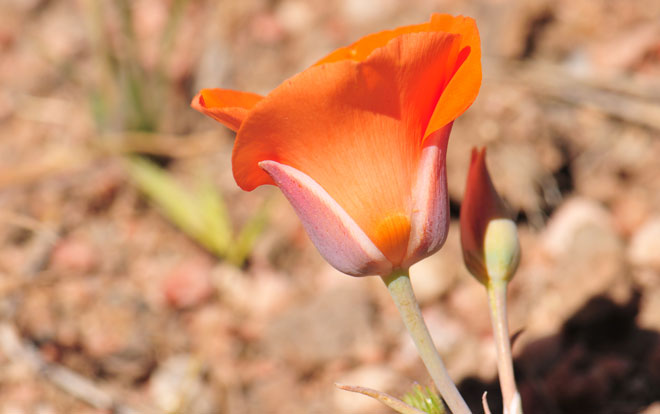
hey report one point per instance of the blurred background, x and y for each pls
(135, 277)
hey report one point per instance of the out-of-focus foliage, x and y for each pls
(200, 212)
(128, 98)
(425, 399)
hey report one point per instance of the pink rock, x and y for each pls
(72, 254)
(266, 29)
(644, 245)
(188, 284)
(629, 212)
(566, 222)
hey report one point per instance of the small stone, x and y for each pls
(35, 316)
(649, 313)
(177, 386)
(432, 277)
(652, 409)
(644, 249)
(588, 260)
(189, 283)
(473, 357)
(565, 223)
(277, 393)
(218, 350)
(469, 302)
(267, 29)
(261, 294)
(118, 334)
(74, 255)
(333, 325)
(43, 408)
(10, 407)
(295, 15)
(446, 331)
(629, 212)
(365, 11)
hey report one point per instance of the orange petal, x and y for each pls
(225, 106)
(335, 234)
(361, 49)
(465, 75)
(464, 84)
(355, 128)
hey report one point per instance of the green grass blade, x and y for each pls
(244, 241)
(217, 231)
(168, 195)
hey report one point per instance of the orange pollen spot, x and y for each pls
(391, 237)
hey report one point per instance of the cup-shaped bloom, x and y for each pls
(357, 142)
(489, 237)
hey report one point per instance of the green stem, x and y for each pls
(398, 283)
(497, 302)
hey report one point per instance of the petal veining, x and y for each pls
(430, 212)
(391, 237)
(355, 128)
(334, 233)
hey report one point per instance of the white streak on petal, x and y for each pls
(430, 208)
(334, 233)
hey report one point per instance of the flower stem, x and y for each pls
(497, 305)
(398, 283)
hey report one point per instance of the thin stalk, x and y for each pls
(498, 317)
(398, 283)
(394, 403)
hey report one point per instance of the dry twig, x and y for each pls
(634, 102)
(16, 349)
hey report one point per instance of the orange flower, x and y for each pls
(357, 142)
(489, 238)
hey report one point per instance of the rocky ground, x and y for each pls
(105, 306)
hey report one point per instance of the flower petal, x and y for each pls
(361, 49)
(334, 233)
(355, 128)
(465, 75)
(464, 84)
(430, 212)
(225, 106)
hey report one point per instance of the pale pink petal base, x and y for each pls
(334, 233)
(429, 222)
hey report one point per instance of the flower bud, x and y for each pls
(489, 238)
